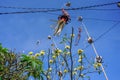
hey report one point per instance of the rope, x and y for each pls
(94, 50)
(93, 46)
(101, 65)
(85, 29)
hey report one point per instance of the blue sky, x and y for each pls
(21, 31)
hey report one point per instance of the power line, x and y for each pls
(93, 46)
(37, 10)
(85, 18)
(103, 9)
(102, 19)
(13, 7)
(115, 25)
(86, 7)
(104, 33)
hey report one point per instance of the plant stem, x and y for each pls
(71, 39)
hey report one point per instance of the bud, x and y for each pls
(74, 73)
(79, 60)
(68, 4)
(50, 69)
(118, 4)
(49, 37)
(80, 68)
(67, 47)
(82, 75)
(72, 35)
(65, 70)
(67, 53)
(54, 57)
(50, 61)
(60, 73)
(99, 64)
(37, 54)
(80, 18)
(48, 77)
(42, 52)
(81, 57)
(75, 69)
(30, 53)
(63, 63)
(80, 51)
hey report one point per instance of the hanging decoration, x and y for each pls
(62, 21)
(78, 36)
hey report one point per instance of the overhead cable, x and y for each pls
(37, 10)
(115, 25)
(104, 33)
(99, 37)
(102, 19)
(86, 7)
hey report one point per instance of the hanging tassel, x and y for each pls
(78, 36)
(59, 28)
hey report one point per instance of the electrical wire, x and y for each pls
(102, 19)
(115, 25)
(86, 7)
(103, 34)
(37, 10)
(13, 7)
(111, 28)
(93, 46)
(103, 9)
(85, 18)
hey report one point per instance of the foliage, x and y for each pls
(16, 67)
(59, 63)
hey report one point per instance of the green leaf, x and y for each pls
(0, 78)
(34, 65)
